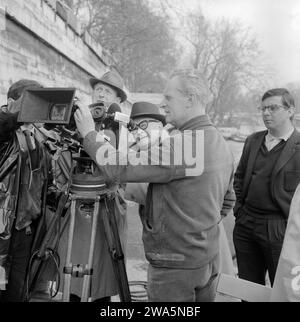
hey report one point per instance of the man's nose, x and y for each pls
(101, 96)
(266, 111)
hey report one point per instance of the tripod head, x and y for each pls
(86, 177)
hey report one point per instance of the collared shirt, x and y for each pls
(28, 127)
(271, 141)
(30, 130)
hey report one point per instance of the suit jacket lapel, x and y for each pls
(287, 152)
(254, 148)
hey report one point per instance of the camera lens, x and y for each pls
(98, 112)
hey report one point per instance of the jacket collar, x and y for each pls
(291, 146)
(289, 149)
(284, 137)
(196, 123)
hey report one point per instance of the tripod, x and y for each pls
(90, 191)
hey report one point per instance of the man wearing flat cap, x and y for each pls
(23, 176)
(108, 90)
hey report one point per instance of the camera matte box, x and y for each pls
(38, 105)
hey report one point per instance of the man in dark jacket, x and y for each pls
(23, 173)
(185, 200)
(265, 181)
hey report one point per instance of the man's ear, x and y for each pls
(291, 111)
(14, 106)
(11, 105)
(190, 101)
(10, 101)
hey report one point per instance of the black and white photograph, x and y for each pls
(149, 154)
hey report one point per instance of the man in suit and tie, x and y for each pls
(265, 181)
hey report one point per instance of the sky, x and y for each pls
(276, 24)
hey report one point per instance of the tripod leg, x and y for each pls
(87, 277)
(49, 238)
(39, 262)
(124, 286)
(115, 249)
(67, 276)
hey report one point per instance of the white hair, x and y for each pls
(193, 85)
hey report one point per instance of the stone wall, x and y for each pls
(41, 40)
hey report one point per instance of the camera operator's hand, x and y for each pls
(84, 119)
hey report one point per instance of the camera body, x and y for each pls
(55, 108)
(54, 105)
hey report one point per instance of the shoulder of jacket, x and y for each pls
(297, 133)
(256, 135)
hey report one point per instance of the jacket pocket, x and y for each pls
(291, 180)
(237, 207)
(7, 216)
(153, 214)
(239, 216)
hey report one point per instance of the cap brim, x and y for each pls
(121, 93)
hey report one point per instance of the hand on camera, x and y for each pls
(84, 119)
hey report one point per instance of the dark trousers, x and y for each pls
(258, 243)
(19, 256)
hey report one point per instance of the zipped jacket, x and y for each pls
(183, 209)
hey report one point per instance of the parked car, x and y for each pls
(227, 132)
(239, 137)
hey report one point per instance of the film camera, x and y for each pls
(55, 108)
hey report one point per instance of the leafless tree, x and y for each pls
(229, 56)
(137, 36)
(142, 38)
(227, 53)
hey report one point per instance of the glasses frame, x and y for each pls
(138, 125)
(273, 108)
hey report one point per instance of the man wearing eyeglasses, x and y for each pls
(265, 181)
(149, 125)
